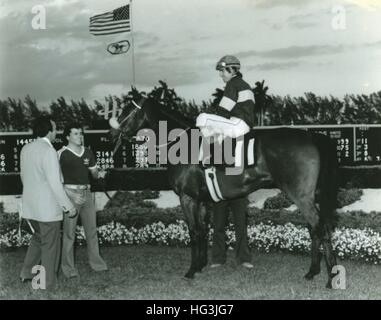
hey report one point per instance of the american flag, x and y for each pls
(115, 21)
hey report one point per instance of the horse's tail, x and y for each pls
(328, 180)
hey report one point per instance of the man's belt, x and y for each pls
(78, 186)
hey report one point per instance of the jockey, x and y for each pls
(235, 112)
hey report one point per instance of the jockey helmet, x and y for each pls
(228, 61)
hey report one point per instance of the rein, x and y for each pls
(138, 107)
(119, 141)
(169, 142)
(131, 113)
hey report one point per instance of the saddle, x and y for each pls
(232, 152)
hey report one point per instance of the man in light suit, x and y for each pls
(43, 201)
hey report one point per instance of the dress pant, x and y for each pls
(88, 219)
(44, 249)
(238, 208)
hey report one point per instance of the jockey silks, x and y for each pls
(237, 101)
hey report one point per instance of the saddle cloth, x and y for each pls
(212, 184)
(213, 159)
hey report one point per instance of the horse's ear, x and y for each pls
(135, 104)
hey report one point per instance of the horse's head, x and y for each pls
(131, 120)
(147, 113)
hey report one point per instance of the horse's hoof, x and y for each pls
(310, 275)
(188, 279)
(199, 269)
(329, 284)
(189, 276)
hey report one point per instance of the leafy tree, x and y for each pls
(88, 115)
(5, 117)
(62, 113)
(18, 115)
(31, 105)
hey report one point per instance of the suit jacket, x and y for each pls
(43, 197)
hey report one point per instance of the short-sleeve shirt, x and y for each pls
(75, 167)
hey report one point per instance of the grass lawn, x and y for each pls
(155, 272)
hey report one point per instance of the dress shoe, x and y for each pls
(70, 273)
(25, 280)
(73, 275)
(216, 265)
(247, 265)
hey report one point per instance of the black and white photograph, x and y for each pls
(203, 152)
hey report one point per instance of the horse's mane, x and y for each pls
(163, 112)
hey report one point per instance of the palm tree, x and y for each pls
(262, 100)
(218, 94)
(165, 95)
(217, 97)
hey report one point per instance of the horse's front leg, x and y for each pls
(203, 222)
(191, 209)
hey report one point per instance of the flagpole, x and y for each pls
(133, 45)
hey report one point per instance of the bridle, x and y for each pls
(113, 122)
(137, 108)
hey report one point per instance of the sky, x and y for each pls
(329, 47)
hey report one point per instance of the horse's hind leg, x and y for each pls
(320, 235)
(315, 253)
(309, 210)
(329, 256)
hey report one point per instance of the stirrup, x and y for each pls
(206, 165)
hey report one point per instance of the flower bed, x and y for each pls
(134, 210)
(130, 219)
(348, 243)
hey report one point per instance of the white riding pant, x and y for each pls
(213, 125)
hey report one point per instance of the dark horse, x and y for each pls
(297, 161)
